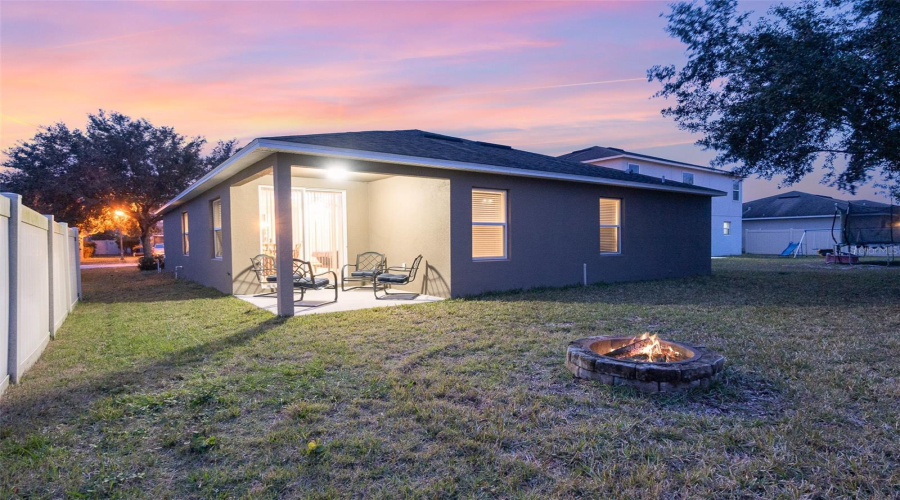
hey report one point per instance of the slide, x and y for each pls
(790, 249)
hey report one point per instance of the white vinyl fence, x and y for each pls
(775, 241)
(40, 282)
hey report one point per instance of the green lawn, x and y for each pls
(164, 389)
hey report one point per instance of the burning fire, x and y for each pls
(646, 347)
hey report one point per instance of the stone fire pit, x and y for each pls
(697, 368)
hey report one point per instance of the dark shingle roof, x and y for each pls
(418, 143)
(798, 204)
(597, 153)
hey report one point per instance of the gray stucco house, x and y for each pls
(486, 217)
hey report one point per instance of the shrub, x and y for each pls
(146, 263)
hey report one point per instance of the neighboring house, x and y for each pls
(726, 210)
(772, 223)
(485, 216)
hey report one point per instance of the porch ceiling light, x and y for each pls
(337, 173)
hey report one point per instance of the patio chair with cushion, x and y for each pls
(367, 264)
(304, 279)
(264, 267)
(395, 276)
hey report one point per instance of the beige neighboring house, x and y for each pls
(725, 221)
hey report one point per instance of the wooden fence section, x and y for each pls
(40, 282)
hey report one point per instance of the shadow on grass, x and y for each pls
(123, 285)
(66, 404)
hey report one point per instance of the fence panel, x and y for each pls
(39, 278)
(775, 241)
(74, 266)
(60, 291)
(4, 293)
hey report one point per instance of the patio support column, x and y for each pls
(284, 244)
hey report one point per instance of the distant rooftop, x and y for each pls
(599, 153)
(799, 204)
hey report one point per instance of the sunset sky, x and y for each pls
(549, 77)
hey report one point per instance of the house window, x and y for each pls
(489, 224)
(633, 168)
(736, 190)
(726, 228)
(185, 243)
(610, 225)
(687, 178)
(216, 209)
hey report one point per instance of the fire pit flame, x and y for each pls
(646, 348)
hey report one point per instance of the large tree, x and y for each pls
(115, 164)
(817, 81)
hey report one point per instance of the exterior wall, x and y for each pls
(410, 216)
(554, 231)
(199, 265)
(553, 228)
(724, 208)
(772, 236)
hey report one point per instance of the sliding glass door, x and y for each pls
(319, 225)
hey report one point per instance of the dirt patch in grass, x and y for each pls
(161, 389)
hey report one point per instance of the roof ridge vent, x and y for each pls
(492, 145)
(432, 135)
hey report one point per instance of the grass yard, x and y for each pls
(164, 389)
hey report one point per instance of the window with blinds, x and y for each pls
(185, 242)
(610, 225)
(489, 224)
(216, 209)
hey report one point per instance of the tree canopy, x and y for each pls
(115, 164)
(813, 82)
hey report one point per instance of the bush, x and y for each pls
(149, 263)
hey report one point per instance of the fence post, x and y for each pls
(50, 236)
(77, 262)
(15, 216)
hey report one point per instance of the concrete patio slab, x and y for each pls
(316, 301)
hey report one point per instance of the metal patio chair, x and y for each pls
(395, 276)
(367, 264)
(264, 267)
(305, 279)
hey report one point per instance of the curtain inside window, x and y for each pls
(323, 222)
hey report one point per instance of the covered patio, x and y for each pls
(327, 214)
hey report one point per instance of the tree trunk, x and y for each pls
(146, 240)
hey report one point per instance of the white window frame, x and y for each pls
(185, 238)
(726, 228)
(212, 220)
(505, 226)
(736, 191)
(617, 226)
(685, 176)
(633, 168)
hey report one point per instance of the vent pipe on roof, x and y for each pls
(664, 178)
